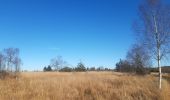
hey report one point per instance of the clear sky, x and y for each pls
(96, 31)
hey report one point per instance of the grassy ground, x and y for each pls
(83, 86)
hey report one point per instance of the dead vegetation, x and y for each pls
(83, 86)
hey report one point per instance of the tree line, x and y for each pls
(59, 65)
(76, 69)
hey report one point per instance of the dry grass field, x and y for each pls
(83, 86)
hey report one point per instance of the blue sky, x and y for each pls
(96, 31)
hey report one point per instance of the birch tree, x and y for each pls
(154, 29)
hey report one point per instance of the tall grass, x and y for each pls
(83, 86)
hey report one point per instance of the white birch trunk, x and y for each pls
(158, 52)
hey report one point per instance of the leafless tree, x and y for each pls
(139, 58)
(57, 63)
(11, 54)
(2, 61)
(154, 26)
(17, 63)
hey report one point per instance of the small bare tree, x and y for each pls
(2, 61)
(57, 63)
(11, 54)
(154, 26)
(139, 58)
(17, 63)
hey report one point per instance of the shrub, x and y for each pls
(66, 69)
(47, 68)
(80, 67)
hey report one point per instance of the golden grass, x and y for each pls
(83, 86)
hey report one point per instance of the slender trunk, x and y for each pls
(160, 71)
(158, 44)
(0, 67)
(7, 67)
